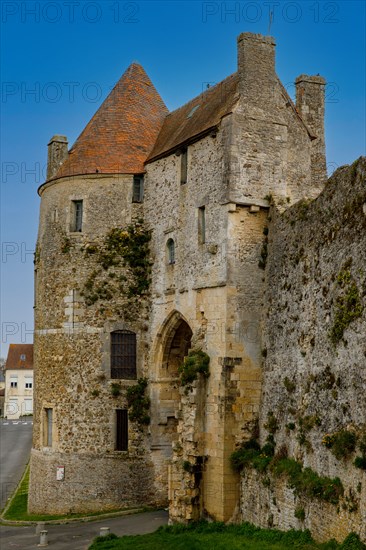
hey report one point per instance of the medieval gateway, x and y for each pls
(200, 290)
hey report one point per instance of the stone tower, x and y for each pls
(76, 411)
(107, 313)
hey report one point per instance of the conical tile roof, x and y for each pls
(121, 134)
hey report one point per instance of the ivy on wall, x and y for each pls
(126, 248)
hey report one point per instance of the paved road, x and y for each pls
(15, 446)
(79, 536)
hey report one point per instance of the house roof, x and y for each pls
(121, 134)
(196, 117)
(20, 356)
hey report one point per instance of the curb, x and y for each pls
(85, 519)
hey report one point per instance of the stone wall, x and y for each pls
(78, 303)
(314, 376)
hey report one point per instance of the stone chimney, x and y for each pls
(256, 68)
(310, 92)
(57, 153)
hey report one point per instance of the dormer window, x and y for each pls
(22, 357)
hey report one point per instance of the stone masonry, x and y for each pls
(209, 187)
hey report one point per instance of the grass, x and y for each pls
(218, 536)
(17, 509)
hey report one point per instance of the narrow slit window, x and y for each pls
(48, 427)
(78, 216)
(121, 430)
(123, 354)
(183, 166)
(138, 189)
(202, 225)
(171, 251)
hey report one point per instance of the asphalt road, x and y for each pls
(15, 446)
(79, 536)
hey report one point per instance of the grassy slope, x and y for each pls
(216, 536)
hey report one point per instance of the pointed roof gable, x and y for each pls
(121, 134)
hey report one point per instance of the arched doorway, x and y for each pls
(176, 348)
(173, 344)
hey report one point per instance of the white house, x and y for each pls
(19, 381)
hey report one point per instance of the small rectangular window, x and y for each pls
(183, 166)
(138, 189)
(78, 216)
(121, 430)
(13, 384)
(202, 225)
(48, 427)
(28, 385)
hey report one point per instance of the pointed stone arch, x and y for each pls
(175, 330)
(173, 342)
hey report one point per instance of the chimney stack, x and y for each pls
(310, 99)
(256, 68)
(57, 153)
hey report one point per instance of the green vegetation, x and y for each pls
(272, 424)
(360, 461)
(289, 385)
(115, 389)
(196, 536)
(348, 304)
(304, 481)
(66, 245)
(138, 402)
(300, 513)
(342, 444)
(196, 362)
(128, 248)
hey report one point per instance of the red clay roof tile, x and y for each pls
(197, 116)
(122, 132)
(20, 356)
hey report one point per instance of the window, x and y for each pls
(77, 223)
(13, 383)
(202, 225)
(121, 430)
(22, 357)
(123, 354)
(138, 189)
(28, 384)
(171, 251)
(48, 427)
(183, 166)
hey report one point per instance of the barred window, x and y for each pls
(123, 354)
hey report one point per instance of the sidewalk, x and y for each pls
(78, 536)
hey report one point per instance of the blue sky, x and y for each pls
(60, 59)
